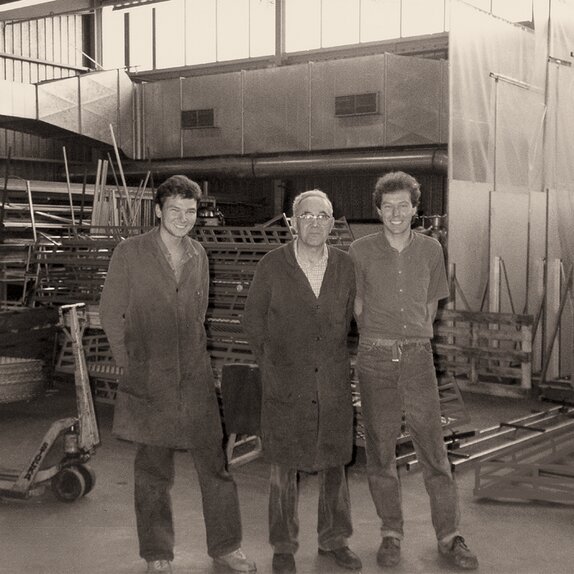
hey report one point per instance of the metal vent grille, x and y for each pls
(197, 119)
(357, 104)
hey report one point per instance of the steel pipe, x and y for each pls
(429, 160)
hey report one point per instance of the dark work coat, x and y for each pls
(155, 327)
(300, 342)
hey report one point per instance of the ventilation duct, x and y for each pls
(428, 160)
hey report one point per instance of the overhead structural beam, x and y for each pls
(427, 160)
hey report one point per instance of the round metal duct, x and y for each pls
(429, 160)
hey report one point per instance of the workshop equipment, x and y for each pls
(531, 457)
(537, 465)
(241, 406)
(70, 478)
(208, 213)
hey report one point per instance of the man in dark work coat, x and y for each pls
(297, 318)
(153, 309)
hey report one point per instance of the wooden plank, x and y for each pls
(482, 353)
(484, 317)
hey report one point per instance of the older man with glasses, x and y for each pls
(297, 318)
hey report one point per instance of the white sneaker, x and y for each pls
(236, 561)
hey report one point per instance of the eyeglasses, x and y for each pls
(322, 218)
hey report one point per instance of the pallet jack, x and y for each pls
(71, 478)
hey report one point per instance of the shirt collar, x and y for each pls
(189, 247)
(324, 256)
(385, 242)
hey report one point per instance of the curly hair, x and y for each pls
(177, 185)
(396, 181)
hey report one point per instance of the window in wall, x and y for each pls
(113, 45)
(141, 39)
(232, 29)
(420, 17)
(191, 119)
(200, 37)
(302, 25)
(340, 22)
(380, 20)
(170, 34)
(357, 104)
(192, 32)
(261, 28)
(313, 24)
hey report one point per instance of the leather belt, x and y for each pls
(396, 345)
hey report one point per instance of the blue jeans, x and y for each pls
(388, 388)
(334, 513)
(154, 476)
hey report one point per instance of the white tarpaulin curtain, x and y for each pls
(512, 104)
(511, 159)
(496, 111)
(559, 149)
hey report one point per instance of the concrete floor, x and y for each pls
(96, 534)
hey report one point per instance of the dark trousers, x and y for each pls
(334, 515)
(154, 476)
(389, 388)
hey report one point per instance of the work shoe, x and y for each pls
(458, 553)
(389, 553)
(236, 561)
(344, 557)
(159, 566)
(283, 563)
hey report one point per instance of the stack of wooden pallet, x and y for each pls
(71, 270)
(487, 352)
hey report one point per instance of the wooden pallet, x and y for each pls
(70, 271)
(266, 234)
(486, 352)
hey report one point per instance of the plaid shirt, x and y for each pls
(314, 273)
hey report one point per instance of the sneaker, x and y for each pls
(459, 554)
(283, 563)
(389, 553)
(344, 557)
(159, 566)
(236, 561)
